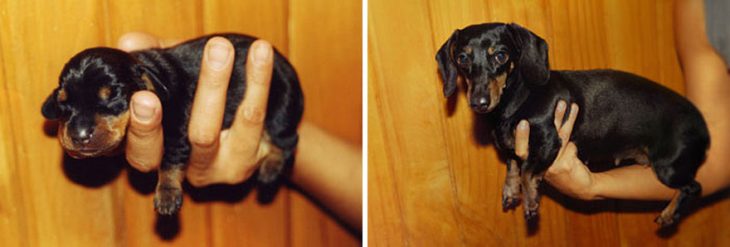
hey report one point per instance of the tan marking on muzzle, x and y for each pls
(109, 132)
(496, 88)
(115, 126)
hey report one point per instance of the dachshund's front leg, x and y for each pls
(511, 190)
(168, 195)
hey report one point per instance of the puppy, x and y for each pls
(623, 117)
(91, 104)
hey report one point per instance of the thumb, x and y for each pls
(144, 136)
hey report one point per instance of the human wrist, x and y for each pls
(595, 189)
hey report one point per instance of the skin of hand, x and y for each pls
(327, 167)
(211, 147)
(567, 173)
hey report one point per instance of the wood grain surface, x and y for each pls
(434, 181)
(45, 201)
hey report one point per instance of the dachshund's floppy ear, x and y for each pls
(533, 62)
(447, 68)
(148, 79)
(50, 109)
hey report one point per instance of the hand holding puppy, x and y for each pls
(211, 147)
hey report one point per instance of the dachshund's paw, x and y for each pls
(270, 169)
(510, 201)
(530, 214)
(168, 200)
(665, 220)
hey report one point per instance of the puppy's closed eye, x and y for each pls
(501, 58)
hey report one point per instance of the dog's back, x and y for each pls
(624, 114)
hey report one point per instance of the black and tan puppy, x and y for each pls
(623, 117)
(91, 104)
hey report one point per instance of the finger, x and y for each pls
(139, 41)
(248, 124)
(522, 139)
(209, 102)
(567, 129)
(562, 164)
(559, 114)
(144, 136)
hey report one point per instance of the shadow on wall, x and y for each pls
(100, 171)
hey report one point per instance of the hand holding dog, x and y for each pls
(567, 173)
(211, 147)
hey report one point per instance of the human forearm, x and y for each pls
(330, 170)
(635, 182)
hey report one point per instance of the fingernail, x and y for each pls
(262, 51)
(143, 112)
(522, 125)
(561, 105)
(217, 55)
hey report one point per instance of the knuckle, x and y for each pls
(203, 140)
(213, 80)
(238, 177)
(139, 164)
(253, 115)
(197, 181)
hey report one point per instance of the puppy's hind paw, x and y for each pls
(168, 201)
(530, 214)
(665, 220)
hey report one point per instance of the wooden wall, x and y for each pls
(46, 203)
(431, 183)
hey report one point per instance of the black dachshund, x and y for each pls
(623, 117)
(95, 87)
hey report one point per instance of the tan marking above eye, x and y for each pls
(490, 51)
(468, 49)
(104, 93)
(62, 96)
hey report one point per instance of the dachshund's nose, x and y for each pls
(481, 104)
(82, 136)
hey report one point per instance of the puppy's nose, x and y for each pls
(82, 136)
(481, 104)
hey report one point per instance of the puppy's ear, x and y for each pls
(447, 67)
(533, 62)
(149, 80)
(50, 109)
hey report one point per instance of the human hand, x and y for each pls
(228, 156)
(567, 173)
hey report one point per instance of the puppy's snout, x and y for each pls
(480, 104)
(82, 136)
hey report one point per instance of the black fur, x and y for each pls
(174, 74)
(619, 111)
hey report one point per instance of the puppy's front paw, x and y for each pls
(510, 198)
(509, 202)
(168, 200)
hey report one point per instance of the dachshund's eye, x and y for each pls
(501, 57)
(462, 59)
